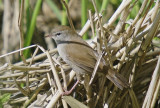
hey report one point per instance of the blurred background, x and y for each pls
(39, 17)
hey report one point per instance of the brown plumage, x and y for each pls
(81, 57)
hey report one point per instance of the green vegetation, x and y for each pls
(30, 30)
(4, 98)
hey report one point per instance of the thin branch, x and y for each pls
(69, 16)
(20, 25)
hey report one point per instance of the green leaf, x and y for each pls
(55, 9)
(28, 38)
(84, 15)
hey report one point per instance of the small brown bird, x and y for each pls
(81, 57)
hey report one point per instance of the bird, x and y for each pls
(81, 57)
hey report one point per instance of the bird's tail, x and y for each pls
(117, 79)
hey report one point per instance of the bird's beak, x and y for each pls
(47, 36)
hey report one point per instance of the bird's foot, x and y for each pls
(66, 92)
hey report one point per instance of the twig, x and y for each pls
(17, 50)
(69, 16)
(152, 86)
(57, 95)
(149, 37)
(19, 81)
(91, 20)
(22, 73)
(135, 103)
(23, 68)
(103, 36)
(101, 89)
(43, 82)
(88, 24)
(27, 76)
(54, 99)
(50, 83)
(96, 67)
(56, 77)
(37, 57)
(117, 13)
(20, 25)
(24, 92)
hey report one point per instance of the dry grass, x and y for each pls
(130, 43)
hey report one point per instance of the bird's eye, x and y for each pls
(57, 34)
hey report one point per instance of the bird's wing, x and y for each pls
(81, 56)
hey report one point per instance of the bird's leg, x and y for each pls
(70, 91)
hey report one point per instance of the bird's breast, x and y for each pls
(63, 51)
